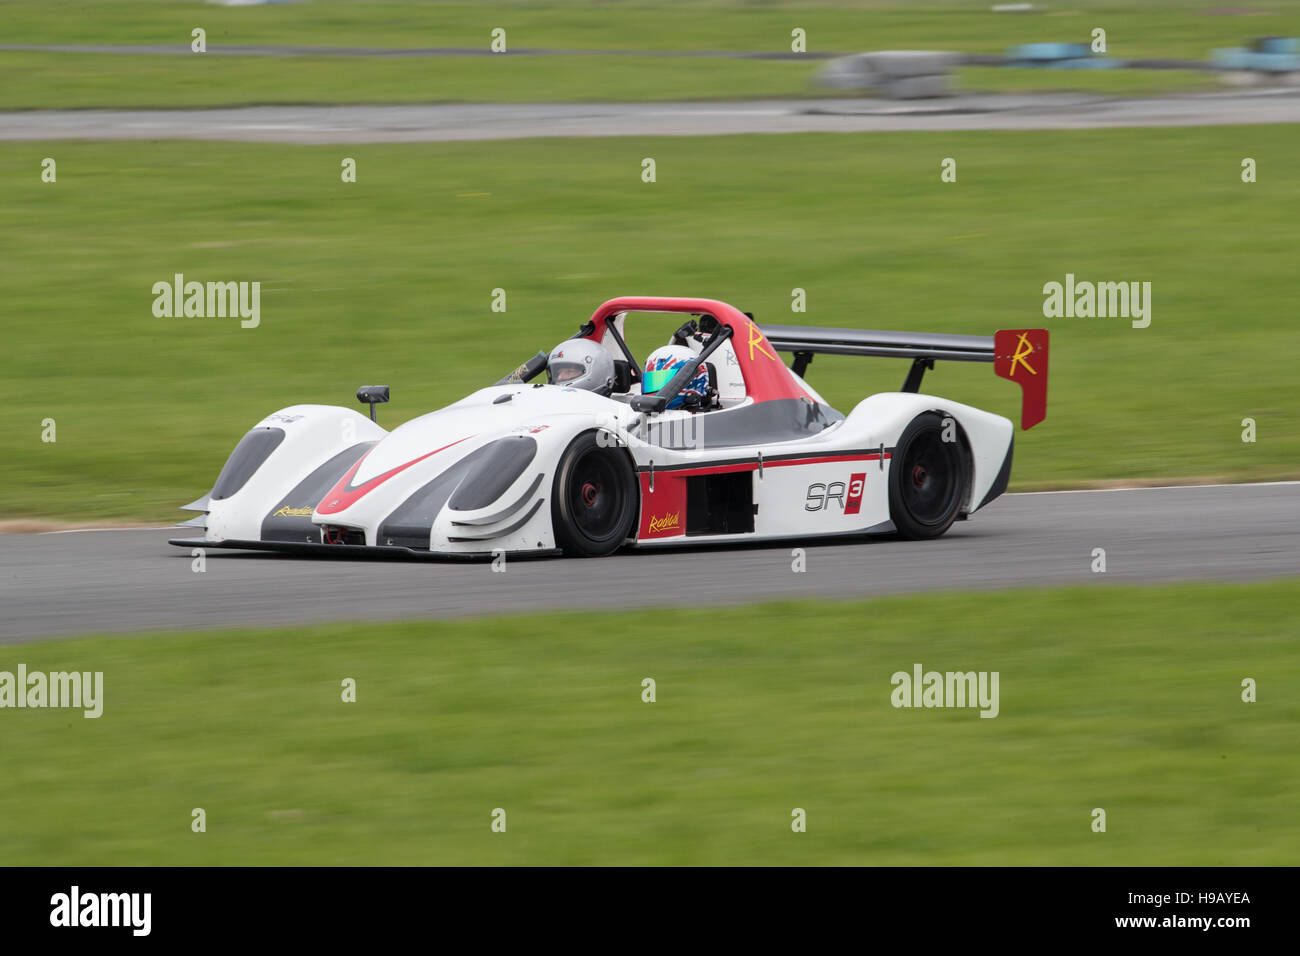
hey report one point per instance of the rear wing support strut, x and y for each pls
(916, 373)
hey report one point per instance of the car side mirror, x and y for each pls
(372, 395)
(649, 403)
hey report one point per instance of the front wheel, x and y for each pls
(593, 499)
(927, 478)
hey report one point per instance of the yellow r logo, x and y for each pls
(1023, 349)
(756, 339)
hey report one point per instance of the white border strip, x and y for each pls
(155, 527)
(1095, 491)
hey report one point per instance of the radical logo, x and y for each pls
(287, 512)
(668, 522)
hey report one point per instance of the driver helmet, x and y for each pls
(666, 362)
(581, 363)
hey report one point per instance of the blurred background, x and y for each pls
(1123, 163)
(391, 278)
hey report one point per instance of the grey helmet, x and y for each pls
(581, 363)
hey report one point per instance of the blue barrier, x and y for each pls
(1276, 45)
(1059, 56)
(1239, 58)
(1047, 52)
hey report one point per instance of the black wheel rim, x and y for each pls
(596, 497)
(929, 479)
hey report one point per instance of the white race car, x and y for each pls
(712, 440)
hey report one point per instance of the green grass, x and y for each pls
(29, 80)
(65, 81)
(1176, 28)
(1124, 699)
(389, 280)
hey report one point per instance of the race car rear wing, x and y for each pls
(1019, 355)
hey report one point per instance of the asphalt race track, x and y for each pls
(132, 580)
(491, 121)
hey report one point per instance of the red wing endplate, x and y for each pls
(1020, 355)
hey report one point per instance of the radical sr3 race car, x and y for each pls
(713, 439)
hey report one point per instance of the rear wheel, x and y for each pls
(927, 478)
(593, 499)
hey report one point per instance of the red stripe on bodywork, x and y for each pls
(818, 461)
(718, 470)
(343, 496)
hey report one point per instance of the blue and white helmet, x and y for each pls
(666, 362)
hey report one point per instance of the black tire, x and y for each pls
(927, 478)
(593, 499)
